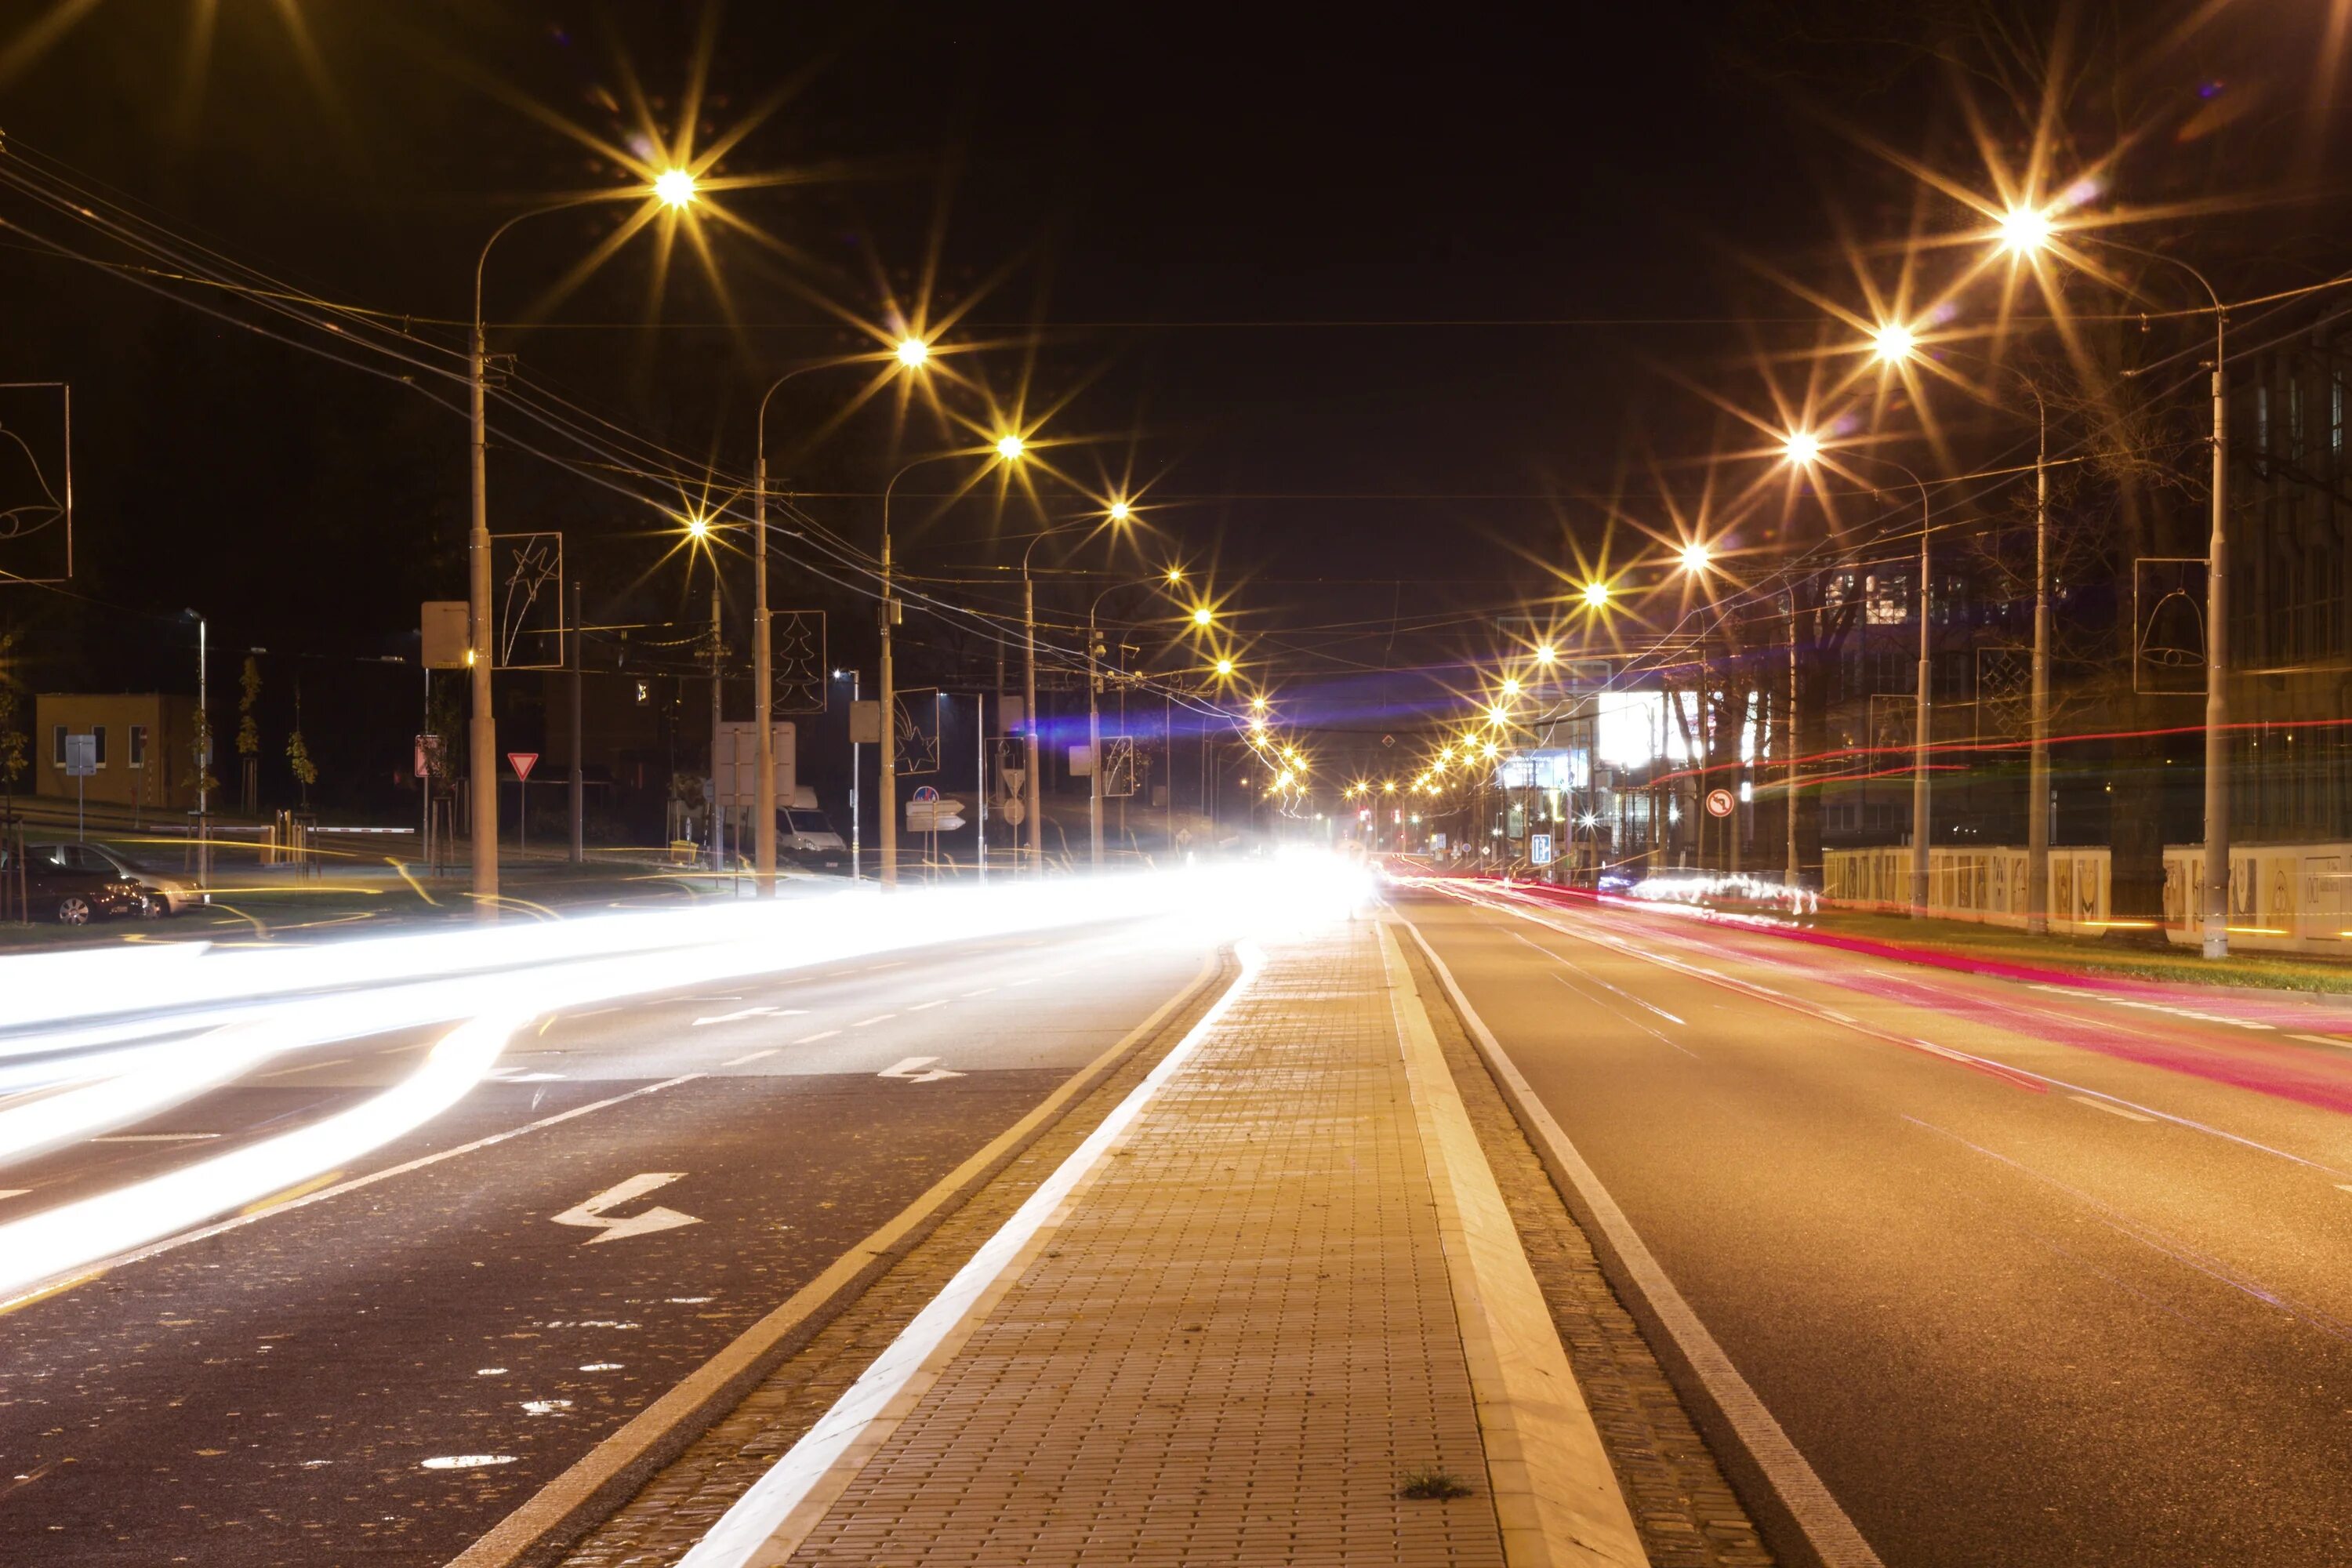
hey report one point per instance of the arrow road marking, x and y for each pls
(592, 1213)
(907, 1069)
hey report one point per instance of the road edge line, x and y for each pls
(787, 1501)
(569, 1505)
(1747, 1435)
(1556, 1495)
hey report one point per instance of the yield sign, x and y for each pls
(521, 762)
(592, 1213)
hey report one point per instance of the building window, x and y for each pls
(1887, 598)
(97, 744)
(58, 747)
(137, 745)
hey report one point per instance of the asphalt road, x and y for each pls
(2030, 1273)
(378, 1376)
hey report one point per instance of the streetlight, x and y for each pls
(1115, 513)
(674, 188)
(2024, 230)
(2022, 235)
(1696, 557)
(1892, 343)
(910, 352)
(1201, 617)
(1008, 447)
(1596, 594)
(1225, 667)
(1923, 709)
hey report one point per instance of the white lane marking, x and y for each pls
(911, 1070)
(1826, 1525)
(2151, 1006)
(467, 1461)
(2324, 1040)
(877, 1018)
(1031, 980)
(787, 1500)
(926, 1006)
(732, 1017)
(752, 1057)
(305, 1066)
(981, 992)
(591, 1013)
(154, 1137)
(592, 1213)
(14, 1192)
(2097, 1104)
(172, 1243)
(1562, 959)
(545, 1406)
(1990, 1064)
(526, 1078)
(1834, 1013)
(820, 1034)
(601, 1366)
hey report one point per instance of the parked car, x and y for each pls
(173, 894)
(76, 894)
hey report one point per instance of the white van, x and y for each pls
(804, 834)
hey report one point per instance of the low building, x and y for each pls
(145, 744)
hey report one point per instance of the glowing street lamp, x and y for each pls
(1893, 343)
(674, 188)
(1801, 448)
(1545, 653)
(1511, 686)
(1009, 447)
(2024, 230)
(1203, 615)
(912, 352)
(1596, 596)
(1696, 557)
(1225, 667)
(698, 527)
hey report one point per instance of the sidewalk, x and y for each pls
(1282, 1293)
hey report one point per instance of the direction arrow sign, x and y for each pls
(1719, 803)
(523, 762)
(934, 815)
(592, 1213)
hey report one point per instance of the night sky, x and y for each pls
(1375, 311)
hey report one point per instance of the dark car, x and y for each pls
(72, 888)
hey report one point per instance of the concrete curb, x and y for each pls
(1554, 1493)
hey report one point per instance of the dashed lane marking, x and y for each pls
(753, 1056)
(154, 1137)
(2097, 1104)
(820, 1034)
(305, 1066)
(927, 1006)
(878, 1018)
(2324, 1040)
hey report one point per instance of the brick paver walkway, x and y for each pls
(1234, 1346)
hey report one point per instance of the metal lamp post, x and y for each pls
(674, 188)
(911, 352)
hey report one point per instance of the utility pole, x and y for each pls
(763, 788)
(2216, 663)
(1790, 874)
(1094, 738)
(718, 832)
(579, 745)
(2037, 772)
(1029, 719)
(1923, 718)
